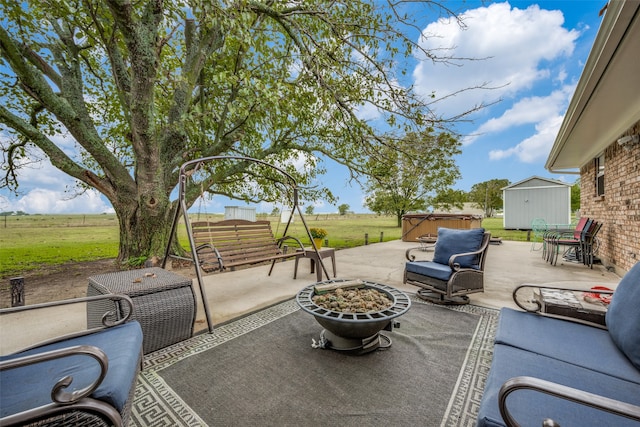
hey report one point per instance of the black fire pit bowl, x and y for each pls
(355, 332)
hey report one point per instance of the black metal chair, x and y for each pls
(580, 249)
(457, 268)
(590, 246)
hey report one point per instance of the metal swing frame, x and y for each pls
(182, 209)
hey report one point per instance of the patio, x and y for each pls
(234, 294)
(510, 264)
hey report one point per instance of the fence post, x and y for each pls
(381, 236)
(17, 291)
(366, 239)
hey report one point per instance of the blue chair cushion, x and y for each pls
(29, 387)
(529, 408)
(570, 342)
(429, 269)
(623, 315)
(452, 241)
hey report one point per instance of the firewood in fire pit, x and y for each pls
(354, 300)
(329, 287)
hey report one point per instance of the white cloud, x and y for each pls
(318, 204)
(530, 110)
(367, 112)
(41, 201)
(536, 147)
(43, 175)
(517, 45)
(47, 190)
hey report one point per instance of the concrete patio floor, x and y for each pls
(234, 294)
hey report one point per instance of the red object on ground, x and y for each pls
(595, 296)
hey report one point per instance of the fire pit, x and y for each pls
(357, 333)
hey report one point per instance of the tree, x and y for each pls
(309, 210)
(343, 209)
(575, 196)
(488, 195)
(448, 199)
(140, 87)
(420, 165)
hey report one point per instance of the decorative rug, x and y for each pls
(262, 370)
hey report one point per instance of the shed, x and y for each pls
(533, 198)
(240, 212)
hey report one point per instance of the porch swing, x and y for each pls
(208, 246)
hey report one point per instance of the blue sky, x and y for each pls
(534, 53)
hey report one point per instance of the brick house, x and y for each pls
(599, 137)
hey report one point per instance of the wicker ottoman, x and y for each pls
(164, 303)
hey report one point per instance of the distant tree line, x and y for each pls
(10, 213)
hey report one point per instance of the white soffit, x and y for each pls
(606, 102)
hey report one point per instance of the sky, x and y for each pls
(532, 54)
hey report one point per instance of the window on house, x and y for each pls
(600, 175)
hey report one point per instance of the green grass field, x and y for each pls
(30, 241)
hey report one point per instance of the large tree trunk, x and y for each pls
(144, 230)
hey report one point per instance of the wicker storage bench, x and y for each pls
(164, 303)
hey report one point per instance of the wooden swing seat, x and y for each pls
(230, 243)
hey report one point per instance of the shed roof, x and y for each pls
(605, 103)
(550, 182)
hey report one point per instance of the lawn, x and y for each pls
(29, 241)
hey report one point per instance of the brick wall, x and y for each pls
(619, 208)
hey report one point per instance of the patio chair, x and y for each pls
(551, 236)
(568, 237)
(457, 268)
(590, 246)
(85, 378)
(576, 249)
(539, 227)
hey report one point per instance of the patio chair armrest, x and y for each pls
(535, 305)
(116, 297)
(455, 266)
(554, 235)
(212, 249)
(411, 257)
(562, 235)
(125, 314)
(285, 238)
(58, 390)
(560, 391)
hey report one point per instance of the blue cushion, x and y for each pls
(623, 315)
(570, 342)
(529, 408)
(429, 269)
(30, 386)
(451, 241)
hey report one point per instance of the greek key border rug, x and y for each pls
(156, 404)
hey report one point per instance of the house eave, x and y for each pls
(605, 103)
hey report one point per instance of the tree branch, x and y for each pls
(58, 158)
